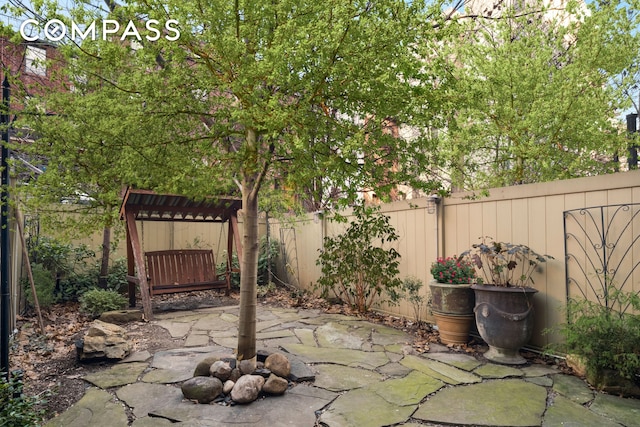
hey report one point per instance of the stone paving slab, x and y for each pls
(624, 411)
(542, 381)
(306, 336)
(96, 408)
(461, 361)
(117, 375)
(364, 408)
(184, 359)
(167, 376)
(340, 378)
(336, 335)
(508, 403)
(144, 398)
(442, 371)
(367, 375)
(409, 390)
(197, 339)
(139, 356)
(341, 356)
(289, 410)
(491, 370)
(177, 329)
(564, 412)
(573, 388)
(154, 422)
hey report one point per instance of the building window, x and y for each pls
(35, 61)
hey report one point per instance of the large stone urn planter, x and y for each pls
(452, 307)
(504, 317)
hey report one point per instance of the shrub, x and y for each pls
(45, 285)
(606, 336)
(77, 283)
(96, 301)
(57, 257)
(353, 268)
(16, 409)
(263, 263)
(410, 290)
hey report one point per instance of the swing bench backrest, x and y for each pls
(184, 270)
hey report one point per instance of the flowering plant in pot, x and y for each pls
(453, 270)
(504, 264)
(452, 299)
(504, 299)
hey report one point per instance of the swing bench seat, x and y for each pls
(184, 270)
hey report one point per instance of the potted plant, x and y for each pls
(504, 299)
(452, 299)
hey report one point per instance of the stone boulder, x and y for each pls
(203, 368)
(275, 385)
(221, 370)
(120, 317)
(103, 341)
(247, 388)
(278, 364)
(202, 389)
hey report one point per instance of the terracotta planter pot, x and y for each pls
(451, 299)
(504, 317)
(454, 329)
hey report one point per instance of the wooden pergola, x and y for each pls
(146, 205)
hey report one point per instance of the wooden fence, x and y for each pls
(530, 214)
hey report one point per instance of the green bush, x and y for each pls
(263, 263)
(57, 257)
(77, 283)
(45, 285)
(16, 409)
(606, 336)
(355, 266)
(410, 290)
(95, 301)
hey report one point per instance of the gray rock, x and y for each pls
(202, 389)
(235, 374)
(247, 388)
(220, 370)
(300, 371)
(228, 386)
(247, 366)
(120, 317)
(278, 364)
(104, 340)
(203, 368)
(275, 385)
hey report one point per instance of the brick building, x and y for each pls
(31, 67)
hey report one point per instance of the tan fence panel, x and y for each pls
(527, 214)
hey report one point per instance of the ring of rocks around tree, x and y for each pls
(224, 380)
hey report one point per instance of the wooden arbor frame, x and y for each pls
(146, 205)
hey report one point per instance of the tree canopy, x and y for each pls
(300, 100)
(534, 95)
(252, 96)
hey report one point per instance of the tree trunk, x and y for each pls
(249, 268)
(106, 251)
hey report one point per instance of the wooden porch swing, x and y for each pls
(182, 270)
